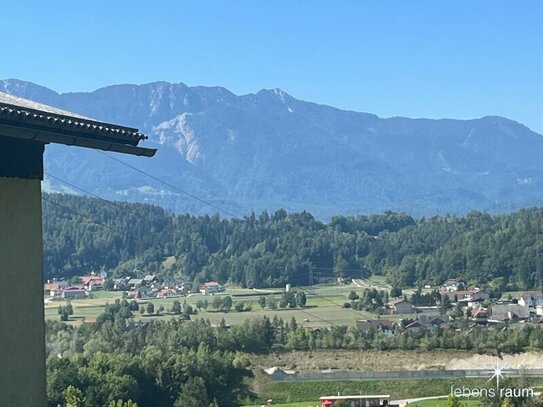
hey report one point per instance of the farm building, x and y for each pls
(402, 307)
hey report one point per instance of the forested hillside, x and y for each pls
(271, 249)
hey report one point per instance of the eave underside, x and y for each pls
(70, 138)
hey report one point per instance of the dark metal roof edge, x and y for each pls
(71, 140)
(77, 120)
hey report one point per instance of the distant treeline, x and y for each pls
(272, 249)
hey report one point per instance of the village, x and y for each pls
(136, 288)
(457, 307)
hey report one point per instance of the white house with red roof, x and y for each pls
(211, 287)
(92, 282)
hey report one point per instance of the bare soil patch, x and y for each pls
(392, 360)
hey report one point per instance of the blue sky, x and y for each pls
(458, 59)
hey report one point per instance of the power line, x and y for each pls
(84, 190)
(174, 187)
(221, 210)
(136, 239)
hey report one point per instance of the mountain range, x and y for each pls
(270, 150)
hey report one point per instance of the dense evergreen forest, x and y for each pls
(270, 250)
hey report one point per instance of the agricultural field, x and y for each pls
(324, 305)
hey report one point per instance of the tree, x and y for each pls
(150, 308)
(76, 280)
(353, 295)
(272, 303)
(133, 305)
(262, 302)
(142, 310)
(64, 316)
(396, 292)
(109, 284)
(176, 307)
(452, 401)
(283, 303)
(239, 307)
(301, 299)
(73, 396)
(445, 305)
(217, 303)
(457, 311)
(69, 308)
(289, 298)
(161, 309)
(227, 303)
(193, 393)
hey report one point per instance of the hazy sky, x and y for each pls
(458, 59)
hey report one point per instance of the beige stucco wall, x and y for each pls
(22, 348)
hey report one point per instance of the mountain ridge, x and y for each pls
(267, 150)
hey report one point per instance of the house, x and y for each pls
(76, 291)
(134, 294)
(134, 283)
(510, 312)
(166, 292)
(55, 288)
(211, 287)
(92, 282)
(431, 322)
(430, 310)
(539, 309)
(119, 283)
(479, 315)
(531, 298)
(465, 296)
(414, 326)
(474, 304)
(452, 284)
(402, 307)
(149, 279)
(384, 326)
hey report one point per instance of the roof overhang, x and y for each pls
(49, 136)
(27, 120)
